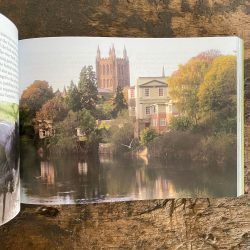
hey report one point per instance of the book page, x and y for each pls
(9, 121)
(118, 119)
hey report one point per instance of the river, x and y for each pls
(70, 180)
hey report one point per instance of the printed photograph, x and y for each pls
(117, 119)
(9, 162)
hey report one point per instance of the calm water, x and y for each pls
(73, 180)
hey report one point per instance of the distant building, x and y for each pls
(150, 104)
(81, 136)
(112, 71)
(45, 128)
(131, 101)
(62, 94)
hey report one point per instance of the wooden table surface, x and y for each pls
(223, 225)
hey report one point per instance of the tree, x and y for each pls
(73, 99)
(86, 122)
(121, 137)
(180, 123)
(185, 82)
(119, 102)
(35, 96)
(54, 109)
(66, 140)
(87, 88)
(104, 111)
(218, 92)
(147, 135)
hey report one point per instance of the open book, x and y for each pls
(100, 119)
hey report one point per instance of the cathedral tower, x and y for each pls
(112, 71)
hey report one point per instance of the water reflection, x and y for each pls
(82, 168)
(74, 180)
(47, 172)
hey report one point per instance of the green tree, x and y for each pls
(185, 82)
(104, 111)
(121, 137)
(73, 99)
(119, 102)
(180, 123)
(147, 135)
(86, 122)
(218, 92)
(121, 132)
(66, 139)
(87, 88)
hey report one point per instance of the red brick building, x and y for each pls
(112, 71)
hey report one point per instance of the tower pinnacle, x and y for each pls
(163, 72)
(98, 54)
(124, 53)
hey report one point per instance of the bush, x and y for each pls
(147, 135)
(176, 145)
(180, 123)
(220, 149)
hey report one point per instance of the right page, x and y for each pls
(117, 119)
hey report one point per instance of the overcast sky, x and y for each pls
(59, 60)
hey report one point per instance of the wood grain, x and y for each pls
(223, 225)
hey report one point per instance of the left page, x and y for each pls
(9, 109)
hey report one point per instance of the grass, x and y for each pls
(8, 112)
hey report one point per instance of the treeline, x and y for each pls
(79, 108)
(204, 91)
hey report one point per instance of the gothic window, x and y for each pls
(103, 69)
(107, 69)
(110, 83)
(104, 83)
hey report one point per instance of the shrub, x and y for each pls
(180, 123)
(147, 135)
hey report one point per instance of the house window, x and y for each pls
(146, 92)
(132, 93)
(162, 122)
(133, 109)
(148, 110)
(161, 91)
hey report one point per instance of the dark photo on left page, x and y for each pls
(9, 109)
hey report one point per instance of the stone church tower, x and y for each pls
(112, 71)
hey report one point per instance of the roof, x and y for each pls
(153, 81)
